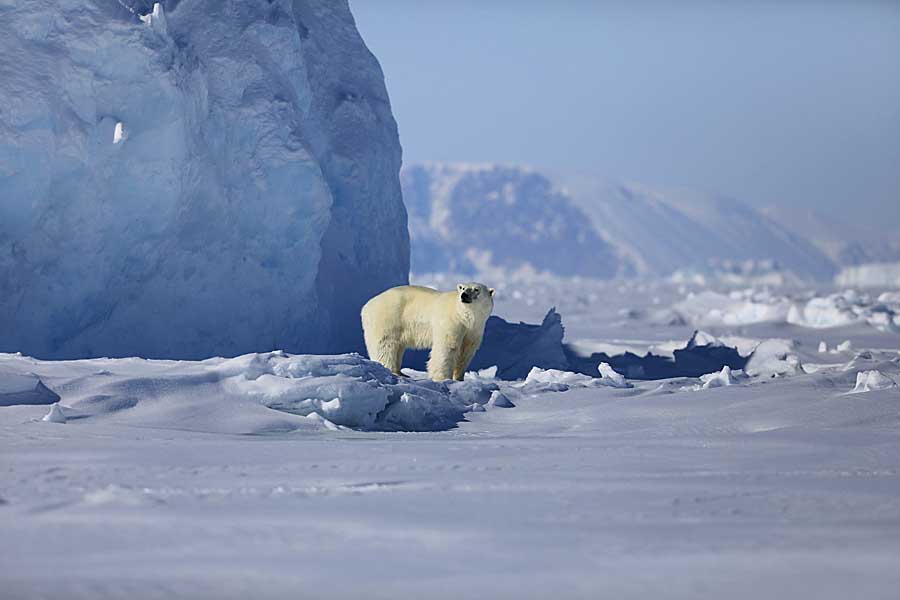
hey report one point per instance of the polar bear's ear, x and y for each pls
(491, 292)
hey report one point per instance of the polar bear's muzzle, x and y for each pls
(468, 295)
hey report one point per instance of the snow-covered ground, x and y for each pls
(232, 478)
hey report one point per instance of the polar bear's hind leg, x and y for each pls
(388, 353)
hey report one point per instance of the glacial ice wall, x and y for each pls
(213, 178)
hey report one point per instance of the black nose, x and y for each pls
(465, 297)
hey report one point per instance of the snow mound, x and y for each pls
(610, 377)
(741, 307)
(500, 400)
(870, 275)
(821, 313)
(24, 388)
(890, 298)
(745, 307)
(867, 381)
(56, 415)
(720, 379)
(774, 358)
(200, 181)
(260, 393)
(847, 308)
(557, 380)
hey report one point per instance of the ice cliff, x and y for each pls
(197, 178)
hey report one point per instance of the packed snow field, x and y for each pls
(272, 474)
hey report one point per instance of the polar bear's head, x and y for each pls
(475, 293)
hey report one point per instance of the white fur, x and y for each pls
(417, 317)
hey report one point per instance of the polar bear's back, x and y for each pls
(403, 313)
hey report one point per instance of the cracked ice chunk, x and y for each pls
(867, 381)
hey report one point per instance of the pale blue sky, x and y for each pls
(771, 102)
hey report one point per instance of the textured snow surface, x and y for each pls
(742, 307)
(255, 393)
(214, 179)
(228, 478)
(759, 305)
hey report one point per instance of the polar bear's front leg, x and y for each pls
(466, 354)
(444, 354)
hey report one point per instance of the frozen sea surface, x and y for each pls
(778, 485)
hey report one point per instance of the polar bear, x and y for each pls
(451, 324)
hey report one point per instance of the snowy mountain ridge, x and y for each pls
(613, 229)
(473, 217)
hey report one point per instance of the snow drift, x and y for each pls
(870, 275)
(252, 393)
(24, 388)
(212, 179)
(268, 392)
(744, 307)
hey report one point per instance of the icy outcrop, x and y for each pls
(721, 378)
(207, 180)
(479, 218)
(257, 393)
(739, 307)
(702, 354)
(24, 388)
(56, 415)
(612, 378)
(744, 307)
(867, 381)
(774, 358)
(847, 308)
(514, 348)
(870, 275)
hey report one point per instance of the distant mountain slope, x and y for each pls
(665, 229)
(847, 244)
(467, 218)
